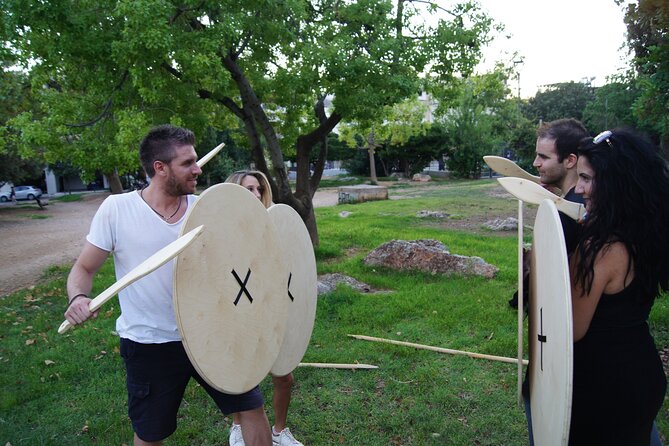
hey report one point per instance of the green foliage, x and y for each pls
(522, 142)
(118, 68)
(393, 125)
(15, 98)
(416, 153)
(476, 108)
(396, 136)
(648, 37)
(231, 158)
(562, 100)
(358, 164)
(338, 149)
(612, 107)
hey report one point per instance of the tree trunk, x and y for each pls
(114, 182)
(384, 167)
(404, 166)
(310, 223)
(257, 123)
(372, 166)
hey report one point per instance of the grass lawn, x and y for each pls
(70, 389)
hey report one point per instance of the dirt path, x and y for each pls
(32, 240)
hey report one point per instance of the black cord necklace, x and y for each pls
(141, 191)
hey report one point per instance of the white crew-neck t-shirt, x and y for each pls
(127, 227)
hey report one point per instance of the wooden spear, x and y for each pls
(439, 349)
(325, 365)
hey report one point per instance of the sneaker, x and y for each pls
(284, 438)
(236, 438)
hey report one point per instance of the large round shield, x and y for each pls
(301, 289)
(225, 290)
(550, 331)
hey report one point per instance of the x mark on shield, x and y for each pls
(242, 285)
(290, 277)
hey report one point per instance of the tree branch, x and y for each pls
(435, 5)
(182, 10)
(107, 106)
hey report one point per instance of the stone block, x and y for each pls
(362, 192)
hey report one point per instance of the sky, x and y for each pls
(558, 40)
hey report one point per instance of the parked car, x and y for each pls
(23, 193)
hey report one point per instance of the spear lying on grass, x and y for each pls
(439, 349)
(325, 365)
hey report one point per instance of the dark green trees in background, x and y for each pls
(648, 39)
(84, 80)
(105, 71)
(15, 98)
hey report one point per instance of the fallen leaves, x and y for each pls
(29, 298)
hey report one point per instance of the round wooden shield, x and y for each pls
(225, 290)
(550, 331)
(301, 289)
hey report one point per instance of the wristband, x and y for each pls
(69, 304)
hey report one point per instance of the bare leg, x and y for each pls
(139, 442)
(281, 400)
(255, 427)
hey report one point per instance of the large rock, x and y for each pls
(429, 256)
(328, 282)
(431, 214)
(498, 224)
(421, 177)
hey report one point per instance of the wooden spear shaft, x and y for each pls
(205, 159)
(439, 349)
(521, 303)
(325, 365)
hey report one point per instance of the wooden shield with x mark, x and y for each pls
(227, 290)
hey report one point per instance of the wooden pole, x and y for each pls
(439, 349)
(521, 303)
(325, 365)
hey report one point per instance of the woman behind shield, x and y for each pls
(620, 266)
(256, 182)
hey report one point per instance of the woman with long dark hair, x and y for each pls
(620, 266)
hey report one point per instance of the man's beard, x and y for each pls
(175, 188)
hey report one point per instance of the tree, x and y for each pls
(648, 38)
(117, 68)
(395, 127)
(475, 116)
(612, 107)
(16, 98)
(522, 141)
(413, 155)
(235, 155)
(561, 100)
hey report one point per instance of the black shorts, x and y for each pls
(156, 377)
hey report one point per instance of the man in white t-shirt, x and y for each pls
(133, 226)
